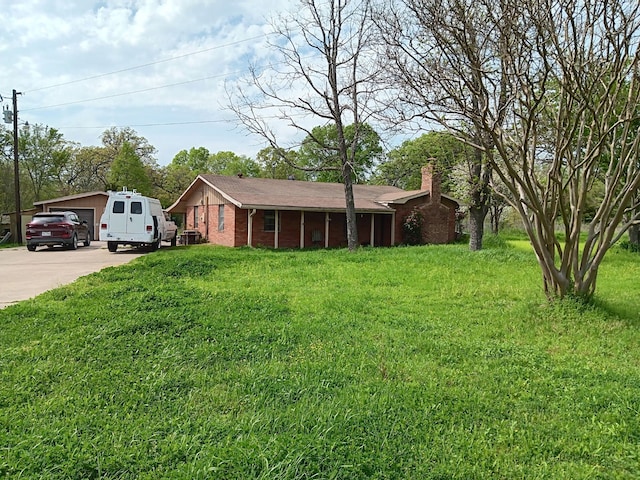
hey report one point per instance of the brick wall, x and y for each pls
(439, 220)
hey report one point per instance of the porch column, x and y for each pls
(326, 229)
(275, 235)
(372, 240)
(301, 228)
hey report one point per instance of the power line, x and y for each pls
(136, 67)
(195, 122)
(122, 94)
(144, 125)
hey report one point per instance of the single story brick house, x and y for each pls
(238, 211)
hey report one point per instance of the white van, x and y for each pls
(133, 219)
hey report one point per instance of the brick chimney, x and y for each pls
(431, 182)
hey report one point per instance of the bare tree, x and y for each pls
(552, 87)
(435, 52)
(325, 50)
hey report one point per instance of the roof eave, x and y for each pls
(385, 210)
(191, 187)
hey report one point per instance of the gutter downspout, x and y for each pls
(251, 213)
(301, 228)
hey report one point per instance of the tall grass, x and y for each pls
(417, 362)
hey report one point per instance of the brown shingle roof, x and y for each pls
(263, 193)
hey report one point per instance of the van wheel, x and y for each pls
(112, 246)
(174, 240)
(87, 241)
(156, 245)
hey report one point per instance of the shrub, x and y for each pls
(632, 247)
(412, 228)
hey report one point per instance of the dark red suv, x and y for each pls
(57, 228)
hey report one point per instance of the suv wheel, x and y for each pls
(87, 240)
(74, 242)
(31, 248)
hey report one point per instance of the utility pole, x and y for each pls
(16, 168)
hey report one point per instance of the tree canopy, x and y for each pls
(319, 154)
(127, 170)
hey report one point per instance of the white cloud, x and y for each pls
(47, 45)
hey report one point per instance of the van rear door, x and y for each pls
(118, 218)
(136, 223)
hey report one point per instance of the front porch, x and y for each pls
(309, 229)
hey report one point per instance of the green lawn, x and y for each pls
(405, 363)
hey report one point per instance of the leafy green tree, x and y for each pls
(319, 154)
(7, 199)
(174, 180)
(195, 159)
(128, 170)
(88, 170)
(279, 164)
(44, 157)
(114, 139)
(229, 163)
(404, 164)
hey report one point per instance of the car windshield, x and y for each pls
(47, 219)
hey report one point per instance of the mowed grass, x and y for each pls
(407, 363)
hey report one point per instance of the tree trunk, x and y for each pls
(634, 235)
(476, 227)
(495, 219)
(352, 226)
(479, 200)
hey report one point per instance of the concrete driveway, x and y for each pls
(25, 274)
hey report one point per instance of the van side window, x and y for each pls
(118, 206)
(136, 208)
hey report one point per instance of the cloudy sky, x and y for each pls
(159, 66)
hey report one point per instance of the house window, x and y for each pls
(221, 218)
(270, 221)
(195, 217)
